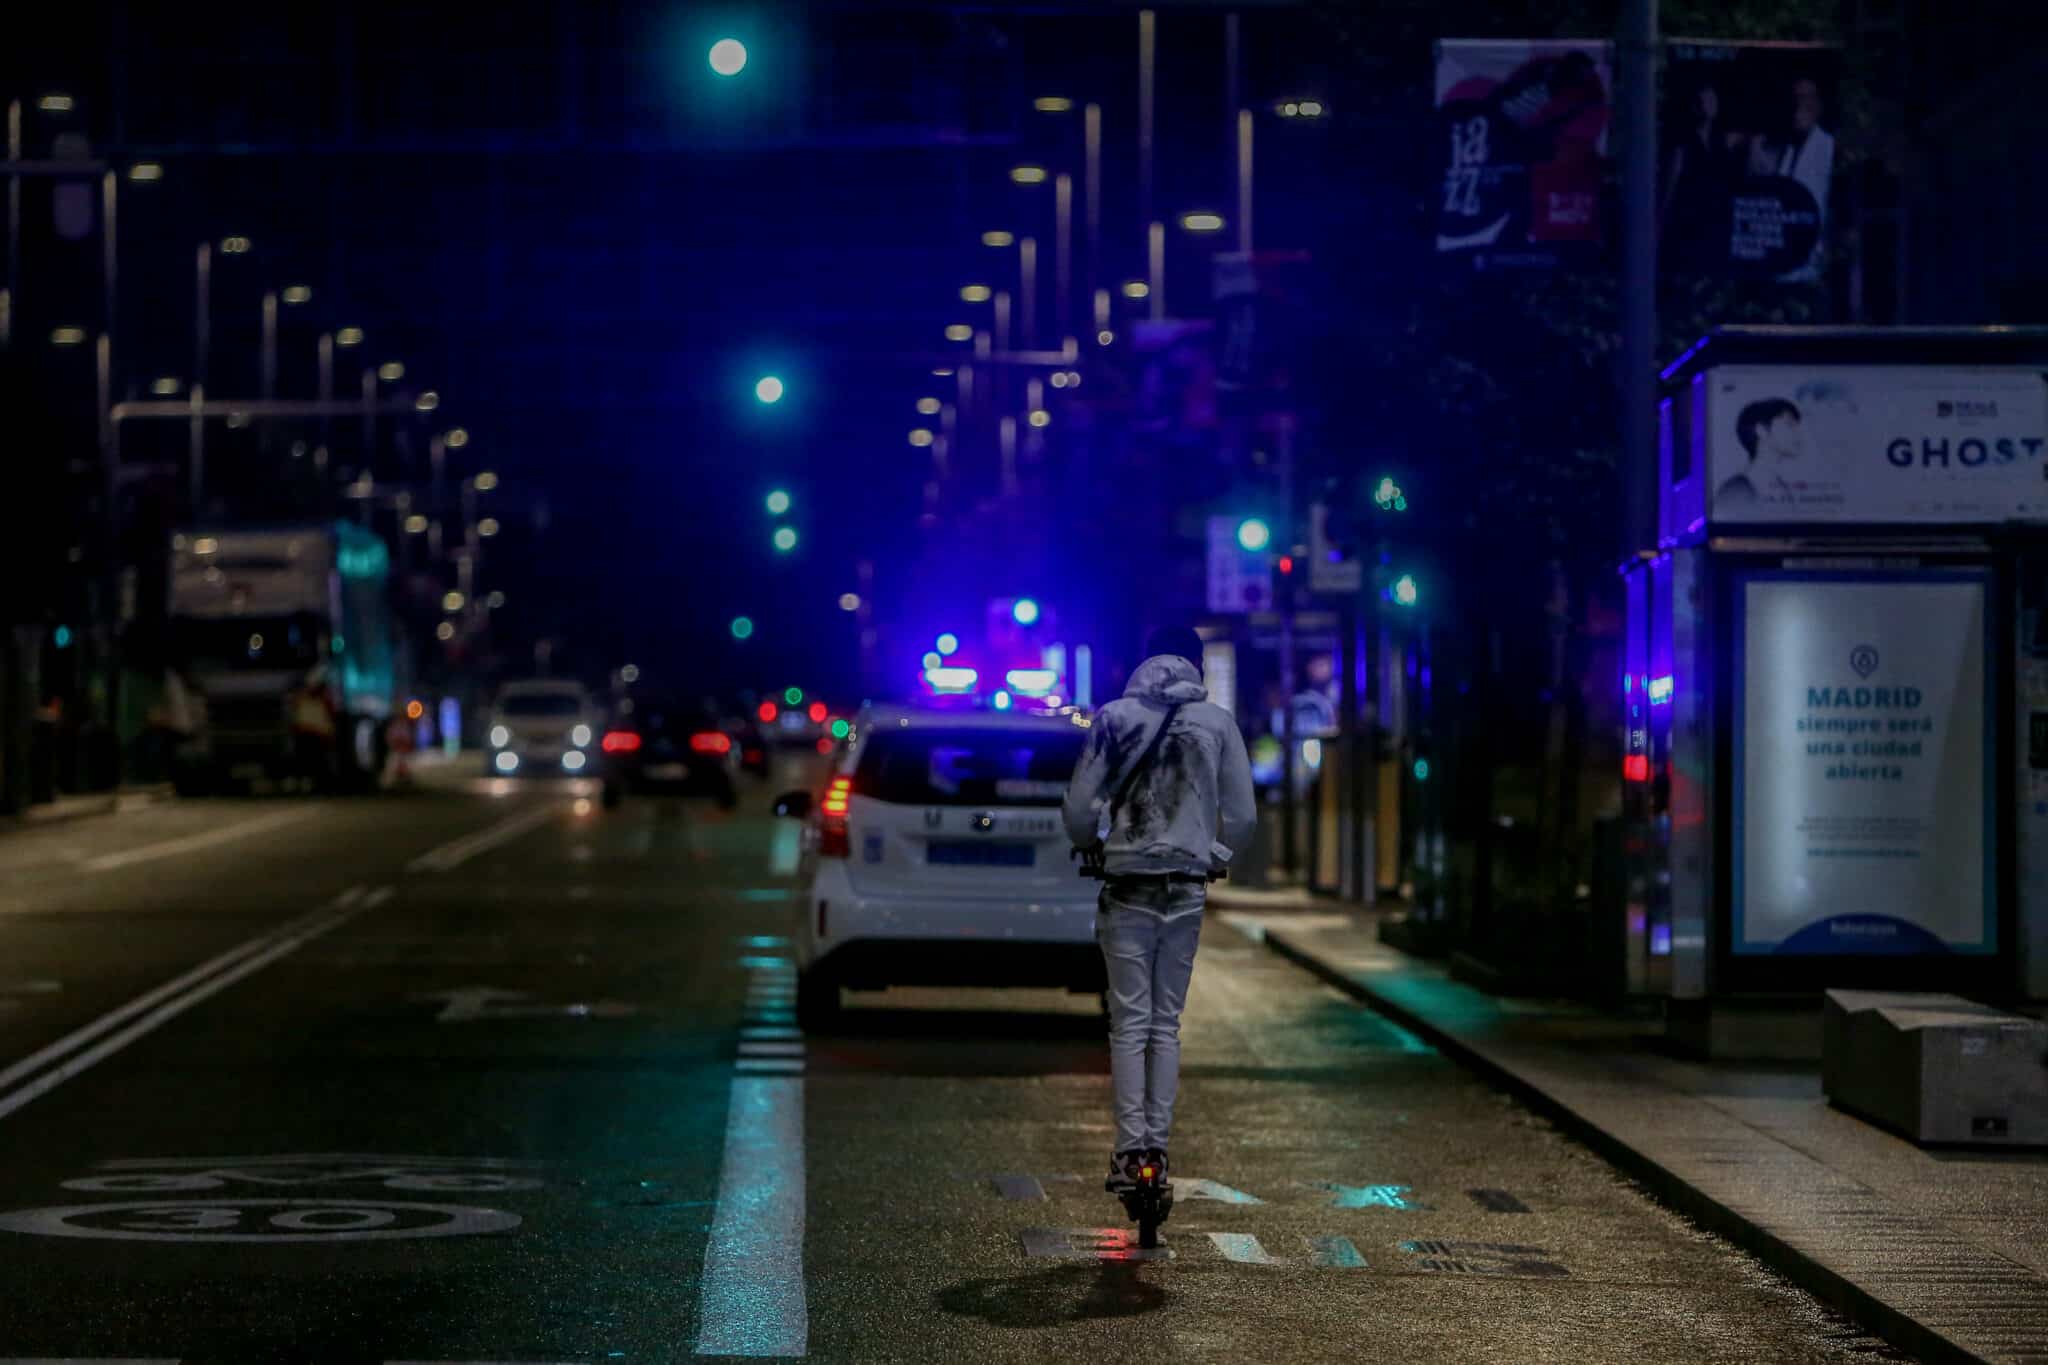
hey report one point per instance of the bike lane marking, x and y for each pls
(189, 843)
(267, 949)
(113, 1019)
(751, 1299)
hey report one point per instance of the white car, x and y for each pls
(543, 727)
(936, 856)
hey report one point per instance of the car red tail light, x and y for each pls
(710, 742)
(621, 742)
(833, 839)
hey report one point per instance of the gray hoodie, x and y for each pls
(1194, 798)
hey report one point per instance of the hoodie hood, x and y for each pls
(1167, 680)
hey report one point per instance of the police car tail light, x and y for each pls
(833, 839)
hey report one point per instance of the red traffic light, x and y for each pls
(817, 713)
(767, 711)
(1286, 564)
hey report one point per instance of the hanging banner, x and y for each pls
(1876, 444)
(1523, 128)
(1749, 153)
(1864, 787)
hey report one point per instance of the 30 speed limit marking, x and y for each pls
(259, 1220)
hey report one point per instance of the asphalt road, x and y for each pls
(487, 1073)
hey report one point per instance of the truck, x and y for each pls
(283, 640)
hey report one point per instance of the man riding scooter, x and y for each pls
(1160, 801)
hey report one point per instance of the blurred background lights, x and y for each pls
(998, 237)
(947, 644)
(959, 331)
(1024, 611)
(778, 502)
(742, 627)
(920, 436)
(928, 406)
(849, 601)
(768, 389)
(785, 538)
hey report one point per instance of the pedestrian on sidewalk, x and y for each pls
(1160, 801)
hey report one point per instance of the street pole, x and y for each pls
(8, 304)
(1091, 192)
(1285, 436)
(1027, 290)
(1148, 45)
(1155, 269)
(202, 342)
(1063, 254)
(326, 352)
(1637, 116)
(1244, 183)
(268, 361)
(369, 420)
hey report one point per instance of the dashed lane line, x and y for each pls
(274, 946)
(456, 852)
(113, 1019)
(107, 862)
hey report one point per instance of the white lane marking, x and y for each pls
(469, 1003)
(753, 1049)
(189, 843)
(379, 896)
(752, 1293)
(1243, 1248)
(164, 1013)
(459, 851)
(78, 1038)
(770, 1066)
(772, 1034)
(784, 846)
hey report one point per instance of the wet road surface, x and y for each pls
(482, 1073)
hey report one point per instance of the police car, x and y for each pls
(935, 855)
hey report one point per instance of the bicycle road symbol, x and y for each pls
(258, 1220)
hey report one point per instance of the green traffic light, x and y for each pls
(794, 696)
(839, 729)
(1422, 770)
(742, 627)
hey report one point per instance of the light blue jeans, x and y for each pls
(1149, 959)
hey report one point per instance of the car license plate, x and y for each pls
(668, 772)
(981, 855)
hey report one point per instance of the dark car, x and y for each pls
(675, 748)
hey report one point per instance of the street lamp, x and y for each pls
(348, 336)
(728, 56)
(1254, 535)
(1201, 220)
(975, 293)
(959, 331)
(768, 389)
(778, 502)
(785, 538)
(1027, 175)
(998, 238)
(929, 406)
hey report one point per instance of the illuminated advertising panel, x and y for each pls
(1876, 444)
(1863, 820)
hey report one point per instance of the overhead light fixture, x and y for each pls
(1201, 220)
(1052, 104)
(998, 237)
(1028, 175)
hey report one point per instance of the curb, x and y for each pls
(84, 808)
(1845, 1296)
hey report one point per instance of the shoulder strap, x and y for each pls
(1123, 790)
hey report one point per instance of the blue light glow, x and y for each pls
(1001, 701)
(1032, 682)
(1660, 690)
(1024, 612)
(728, 56)
(948, 644)
(1254, 535)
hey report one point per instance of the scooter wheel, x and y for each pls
(1148, 1232)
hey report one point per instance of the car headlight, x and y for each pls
(580, 736)
(572, 760)
(507, 762)
(500, 736)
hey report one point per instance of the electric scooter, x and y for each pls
(1148, 1203)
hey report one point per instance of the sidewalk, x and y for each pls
(1944, 1254)
(89, 803)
